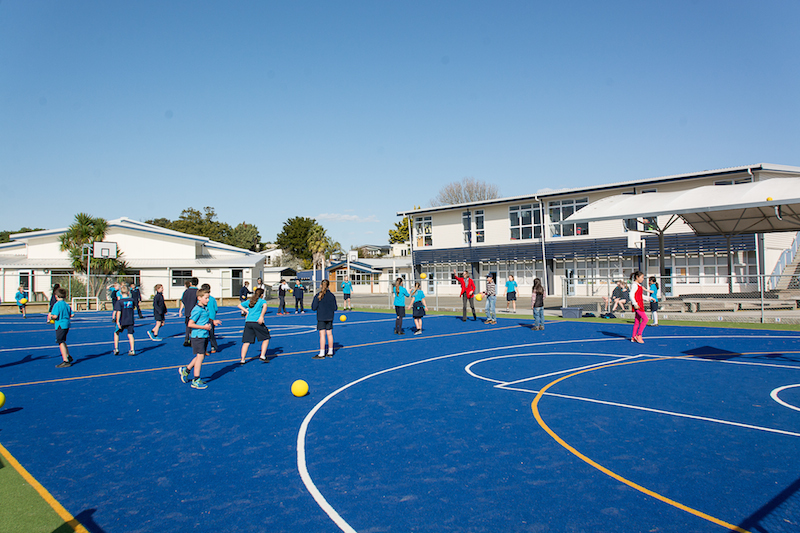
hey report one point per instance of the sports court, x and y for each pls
(466, 427)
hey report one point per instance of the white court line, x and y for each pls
(774, 396)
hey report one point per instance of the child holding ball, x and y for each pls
(60, 314)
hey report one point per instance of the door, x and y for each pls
(225, 284)
(26, 281)
(569, 275)
(237, 281)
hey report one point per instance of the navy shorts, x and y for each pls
(347, 296)
(129, 329)
(253, 331)
(61, 335)
(418, 310)
(324, 325)
(199, 345)
(159, 317)
(653, 307)
(511, 296)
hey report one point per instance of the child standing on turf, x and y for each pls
(200, 324)
(537, 304)
(419, 307)
(324, 303)
(299, 292)
(283, 288)
(188, 301)
(136, 296)
(511, 293)
(159, 312)
(53, 299)
(467, 294)
(637, 301)
(113, 294)
(22, 294)
(654, 299)
(400, 294)
(60, 314)
(491, 300)
(123, 316)
(254, 327)
(347, 289)
(211, 307)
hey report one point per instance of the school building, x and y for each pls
(526, 236)
(154, 255)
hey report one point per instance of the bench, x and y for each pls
(710, 304)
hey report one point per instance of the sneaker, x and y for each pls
(116, 352)
(184, 374)
(320, 355)
(264, 359)
(157, 339)
(418, 332)
(401, 332)
(63, 364)
(198, 383)
(132, 352)
(329, 354)
(150, 334)
(187, 343)
(70, 359)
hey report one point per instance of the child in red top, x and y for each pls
(467, 294)
(637, 300)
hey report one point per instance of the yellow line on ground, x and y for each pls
(70, 520)
(206, 363)
(535, 409)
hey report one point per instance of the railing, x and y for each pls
(785, 260)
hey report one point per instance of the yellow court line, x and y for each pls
(535, 409)
(142, 370)
(70, 520)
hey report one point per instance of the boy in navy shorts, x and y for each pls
(200, 324)
(60, 314)
(123, 316)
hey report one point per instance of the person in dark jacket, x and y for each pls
(299, 292)
(136, 296)
(324, 303)
(53, 300)
(159, 312)
(188, 301)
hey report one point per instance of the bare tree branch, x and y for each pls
(464, 191)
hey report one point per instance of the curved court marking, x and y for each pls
(65, 515)
(601, 468)
(774, 396)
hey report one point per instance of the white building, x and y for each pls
(525, 236)
(154, 255)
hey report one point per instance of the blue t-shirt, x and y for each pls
(124, 306)
(347, 287)
(400, 296)
(511, 286)
(62, 312)
(419, 296)
(254, 313)
(212, 308)
(200, 317)
(20, 295)
(654, 292)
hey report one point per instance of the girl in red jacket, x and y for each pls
(637, 300)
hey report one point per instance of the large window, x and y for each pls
(356, 277)
(479, 232)
(466, 223)
(180, 277)
(560, 210)
(423, 230)
(525, 222)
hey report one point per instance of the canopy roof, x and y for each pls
(759, 207)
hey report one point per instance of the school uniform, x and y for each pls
(400, 295)
(159, 307)
(511, 291)
(62, 312)
(19, 296)
(199, 337)
(418, 309)
(347, 289)
(189, 299)
(326, 309)
(299, 292)
(136, 296)
(252, 329)
(125, 320)
(211, 308)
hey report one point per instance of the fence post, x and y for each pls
(761, 284)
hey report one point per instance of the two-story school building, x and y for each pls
(526, 236)
(154, 255)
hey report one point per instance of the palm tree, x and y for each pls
(84, 232)
(318, 245)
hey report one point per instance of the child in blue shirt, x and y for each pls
(254, 328)
(419, 306)
(22, 294)
(201, 324)
(400, 294)
(347, 289)
(654, 299)
(123, 316)
(212, 315)
(60, 314)
(511, 293)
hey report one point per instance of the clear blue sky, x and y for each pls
(350, 111)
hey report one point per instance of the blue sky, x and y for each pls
(348, 112)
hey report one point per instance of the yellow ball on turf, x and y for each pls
(478, 297)
(299, 388)
(769, 198)
(423, 275)
(2, 399)
(23, 301)
(343, 318)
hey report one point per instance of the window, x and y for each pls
(733, 182)
(525, 222)
(356, 277)
(466, 222)
(479, 232)
(180, 277)
(561, 210)
(423, 230)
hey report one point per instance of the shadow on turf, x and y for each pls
(615, 334)
(776, 514)
(27, 359)
(85, 519)
(714, 354)
(10, 410)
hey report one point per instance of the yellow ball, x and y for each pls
(2, 399)
(51, 321)
(343, 318)
(769, 198)
(299, 388)
(23, 301)
(478, 297)
(423, 275)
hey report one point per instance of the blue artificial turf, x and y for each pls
(447, 444)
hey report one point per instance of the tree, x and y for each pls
(465, 191)
(294, 237)
(85, 231)
(204, 224)
(245, 236)
(400, 233)
(317, 244)
(5, 236)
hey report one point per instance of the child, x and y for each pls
(159, 312)
(637, 301)
(245, 292)
(347, 289)
(511, 293)
(211, 307)
(123, 316)
(419, 306)
(298, 292)
(400, 295)
(201, 325)
(136, 296)
(491, 300)
(324, 303)
(654, 299)
(188, 301)
(467, 294)
(254, 327)
(113, 294)
(60, 314)
(537, 304)
(53, 300)
(22, 294)
(283, 288)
